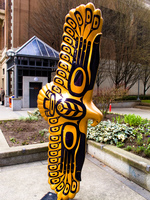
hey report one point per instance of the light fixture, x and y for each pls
(36, 79)
(10, 53)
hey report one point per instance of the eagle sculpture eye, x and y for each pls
(66, 103)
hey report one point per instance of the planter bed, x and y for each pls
(135, 168)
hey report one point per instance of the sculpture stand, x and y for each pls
(50, 196)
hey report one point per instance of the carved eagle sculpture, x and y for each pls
(66, 103)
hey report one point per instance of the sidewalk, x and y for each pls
(30, 182)
(99, 182)
(137, 111)
(8, 113)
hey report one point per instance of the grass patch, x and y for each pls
(145, 101)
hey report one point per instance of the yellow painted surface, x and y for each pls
(66, 103)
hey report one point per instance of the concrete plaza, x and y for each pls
(99, 182)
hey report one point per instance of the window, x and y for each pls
(32, 61)
(38, 62)
(24, 61)
(45, 62)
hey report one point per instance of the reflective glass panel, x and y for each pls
(42, 47)
(36, 48)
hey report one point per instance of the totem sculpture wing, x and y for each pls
(66, 102)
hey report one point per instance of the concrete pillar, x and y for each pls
(16, 104)
(7, 84)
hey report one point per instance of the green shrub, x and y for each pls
(105, 96)
(144, 97)
(128, 148)
(134, 97)
(35, 113)
(148, 141)
(139, 149)
(108, 132)
(122, 134)
(133, 120)
(120, 144)
(140, 140)
(43, 132)
(147, 151)
(25, 142)
(129, 97)
(147, 134)
(30, 118)
(13, 140)
(119, 120)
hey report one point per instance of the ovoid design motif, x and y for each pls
(66, 103)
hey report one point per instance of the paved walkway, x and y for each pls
(137, 111)
(29, 181)
(8, 113)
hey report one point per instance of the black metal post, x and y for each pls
(16, 77)
(138, 99)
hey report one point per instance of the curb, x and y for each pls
(23, 154)
(145, 106)
(124, 104)
(131, 166)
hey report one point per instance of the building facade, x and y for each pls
(26, 62)
(15, 24)
(14, 31)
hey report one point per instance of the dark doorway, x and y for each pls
(33, 93)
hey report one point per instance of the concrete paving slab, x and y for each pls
(141, 112)
(29, 182)
(3, 142)
(7, 113)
